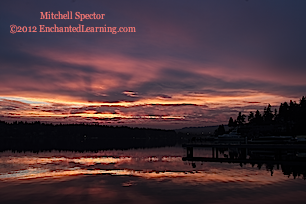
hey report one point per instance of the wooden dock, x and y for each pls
(245, 148)
(248, 146)
(244, 161)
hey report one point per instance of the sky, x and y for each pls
(187, 63)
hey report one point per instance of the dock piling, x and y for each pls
(189, 151)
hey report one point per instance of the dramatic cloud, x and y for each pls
(188, 63)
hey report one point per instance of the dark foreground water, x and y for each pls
(156, 175)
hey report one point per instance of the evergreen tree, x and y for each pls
(268, 114)
(251, 117)
(303, 102)
(220, 130)
(258, 118)
(289, 119)
(231, 122)
(241, 119)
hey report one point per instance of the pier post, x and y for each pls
(217, 153)
(213, 152)
(246, 149)
(189, 151)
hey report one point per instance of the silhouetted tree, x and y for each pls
(284, 112)
(303, 102)
(251, 117)
(220, 130)
(268, 114)
(289, 119)
(303, 110)
(241, 119)
(235, 123)
(258, 118)
(231, 122)
(275, 112)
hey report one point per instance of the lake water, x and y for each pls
(155, 175)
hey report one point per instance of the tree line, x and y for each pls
(290, 116)
(35, 136)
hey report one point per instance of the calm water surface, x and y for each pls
(156, 175)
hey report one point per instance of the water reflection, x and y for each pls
(146, 163)
(157, 175)
(291, 161)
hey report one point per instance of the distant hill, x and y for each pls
(36, 136)
(207, 130)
